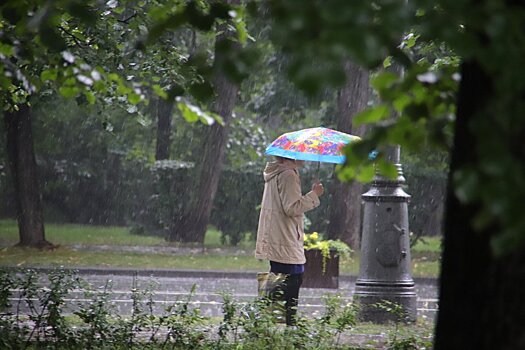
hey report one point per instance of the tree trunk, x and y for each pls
(163, 111)
(482, 305)
(191, 227)
(113, 188)
(23, 168)
(345, 209)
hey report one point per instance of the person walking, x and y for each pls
(280, 234)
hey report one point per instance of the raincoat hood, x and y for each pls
(273, 169)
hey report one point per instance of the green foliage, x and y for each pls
(112, 81)
(193, 113)
(53, 47)
(424, 96)
(179, 325)
(396, 340)
(113, 57)
(238, 197)
(103, 172)
(315, 30)
(424, 100)
(99, 58)
(246, 144)
(236, 200)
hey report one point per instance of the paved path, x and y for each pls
(170, 286)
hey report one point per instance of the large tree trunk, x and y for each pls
(23, 168)
(345, 209)
(191, 227)
(163, 111)
(482, 304)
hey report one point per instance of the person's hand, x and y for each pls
(318, 188)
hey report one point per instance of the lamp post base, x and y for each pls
(381, 302)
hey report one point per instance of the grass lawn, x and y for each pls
(67, 257)
(425, 255)
(427, 245)
(69, 234)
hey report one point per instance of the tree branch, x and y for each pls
(126, 21)
(76, 39)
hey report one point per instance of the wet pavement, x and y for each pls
(171, 286)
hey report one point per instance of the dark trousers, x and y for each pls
(288, 291)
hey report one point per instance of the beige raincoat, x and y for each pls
(280, 234)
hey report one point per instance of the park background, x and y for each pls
(445, 76)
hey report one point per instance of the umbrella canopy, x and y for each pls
(314, 144)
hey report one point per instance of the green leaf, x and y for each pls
(123, 89)
(387, 169)
(242, 32)
(69, 91)
(99, 86)
(192, 113)
(401, 102)
(384, 80)
(157, 13)
(159, 91)
(411, 40)
(365, 173)
(49, 74)
(90, 97)
(240, 25)
(217, 118)
(372, 115)
(79, 35)
(133, 98)
(113, 77)
(206, 119)
(345, 173)
(119, 10)
(6, 50)
(189, 114)
(387, 62)
(71, 81)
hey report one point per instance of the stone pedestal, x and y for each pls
(314, 276)
(385, 272)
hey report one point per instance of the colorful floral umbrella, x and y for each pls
(315, 144)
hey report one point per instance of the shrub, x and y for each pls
(44, 322)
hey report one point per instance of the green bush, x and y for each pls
(46, 322)
(235, 210)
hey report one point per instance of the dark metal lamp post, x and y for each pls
(384, 272)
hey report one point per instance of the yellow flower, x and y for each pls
(314, 236)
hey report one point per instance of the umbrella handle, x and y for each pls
(318, 167)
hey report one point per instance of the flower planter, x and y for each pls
(314, 277)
